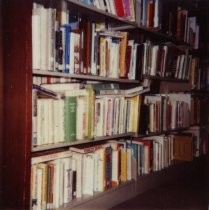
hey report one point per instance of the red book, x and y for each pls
(85, 27)
(150, 13)
(119, 8)
(127, 60)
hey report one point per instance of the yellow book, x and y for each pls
(123, 165)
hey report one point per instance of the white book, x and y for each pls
(39, 188)
(45, 121)
(96, 4)
(131, 44)
(165, 48)
(101, 5)
(115, 168)
(88, 174)
(115, 70)
(173, 114)
(36, 42)
(154, 52)
(101, 169)
(51, 38)
(61, 87)
(58, 120)
(132, 72)
(121, 117)
(106, 110)
(81, 115)
(96, 169)
(72, 46)
(67, 180)
(177, 66)
(50, 121)
(112, 7)
(44, 39)
(145, 59)
(79, 166)
(116, 115)
(99, 117)
(40, 117)
(110, 118)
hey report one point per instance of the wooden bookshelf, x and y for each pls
(17, 103)
(16, 76)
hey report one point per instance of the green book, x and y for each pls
(70, 118)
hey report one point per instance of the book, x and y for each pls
(43, 92)
(119, 8)
(70, 118)
(123, 45)
(88, 174)
(183, 147)
(61, 88)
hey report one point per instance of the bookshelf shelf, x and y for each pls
(82, 77)
(163, 36)
(78, 142)
(167, 79)
(161, 133)
(103, 197)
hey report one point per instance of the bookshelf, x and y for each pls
(17, 126)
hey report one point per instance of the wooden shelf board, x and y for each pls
(65, 144)
(81, 76)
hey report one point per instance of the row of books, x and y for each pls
(166, 60)
(149, 13)
(84, 170)
(59, 178)
(121, 8)
(182, 25)
(166, 112)
(80, 46)
(116, 115)
(199, 109)
(65, 112)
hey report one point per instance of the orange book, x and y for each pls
(122, 61)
